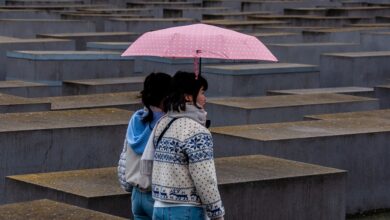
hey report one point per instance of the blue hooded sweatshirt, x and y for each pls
(138, 132)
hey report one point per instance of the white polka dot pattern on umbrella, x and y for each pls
(199, 40)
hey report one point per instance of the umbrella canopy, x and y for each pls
(199, 41)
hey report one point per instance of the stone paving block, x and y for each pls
(81, 39)
(67, 65)
(374, 41)
(28, 28)
(141, 25)
(27, 14)
(29, 89)
(283, 108)
(382, 92)
(257, 79)
(265, 185)
(11, 103)
(48, 209)
(11, 44)
(123, 100)
(308, 53)
(359, 145)
(354, 69)
(356, 91)
(107, 85)
(60, 140)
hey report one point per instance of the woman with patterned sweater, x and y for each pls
(184, 183)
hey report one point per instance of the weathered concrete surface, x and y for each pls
(278, 181)
(374, 41)
(342, 144)
(382, 92)
(136, 11)
(123, 100)
(357, 91)
(81, 39)
(107, 85)
(193, 13)
(108, 46)
(60, 140)
(44, 2)
(30, 27)
(11, 103)
(250, 26)
(141, 25)
(257, 79)
(29, 44)
(47, 209)
(232, 15)
(308, 53)
(27, 14)
(354, 69)
(67, 65)
(29, 89)
(383, 114)
(283, 108)
(278, 37)
(280, 6)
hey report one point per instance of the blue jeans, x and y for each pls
(178, 213)
(142, 204)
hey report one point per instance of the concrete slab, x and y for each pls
(108, 46)
(234, 5)
(58, 66)
(81, 39)
(364, 11)
(356, 91)
(27, 14)
(44, 2)
(377, 25)
(354, 69)
(294, 29)
(47, 209)
(233, 15)
(383, 114)
(107, 85)
(280, 6)
(382, 93)
(248, 176)
(61, 7)
(60, 140)
(11, 103)
(308, 53)
(28, 28)
(346, 34)
(11, 44)
(139, 11)
(257, 79)
(316, 11)
(191, 12)
(283, 108)
(141, 25)
(336, 143)
(374, 41)
(29, 89)
(123, 100)
(278, 37)
(243, 25)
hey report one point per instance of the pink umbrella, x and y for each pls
(199, 41)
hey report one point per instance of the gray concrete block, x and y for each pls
(381, 114)
(232, 15)
(81, 39)
(123, 100)
(279, 6)
(365, 11)
(235, 5)
(118, 10)
(278, 37)
(374, 41)
(356, 91)
(354, 69)
(67, 65)
(272, 183)
(108, 46)
(26, 28)
(341, 143)
(142, 25)
(29, 89)
(257, 79)
(308, 53)
(27, 14)
(250, 26)
(44, 2)
(193, 13)
(11, 103)
(108, 85)
(29, 44)
(283, 108)
(60, 140)
(47, 209)
(382, 92)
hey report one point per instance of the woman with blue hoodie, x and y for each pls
(156, 89)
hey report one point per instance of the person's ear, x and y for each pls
(188, 98)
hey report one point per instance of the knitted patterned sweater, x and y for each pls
(183, 167)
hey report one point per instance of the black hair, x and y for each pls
(184, 83)
(156, 89)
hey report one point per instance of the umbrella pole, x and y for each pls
(200, 66)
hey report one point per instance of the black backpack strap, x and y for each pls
(165, 130)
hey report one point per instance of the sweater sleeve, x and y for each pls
(199, 149)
